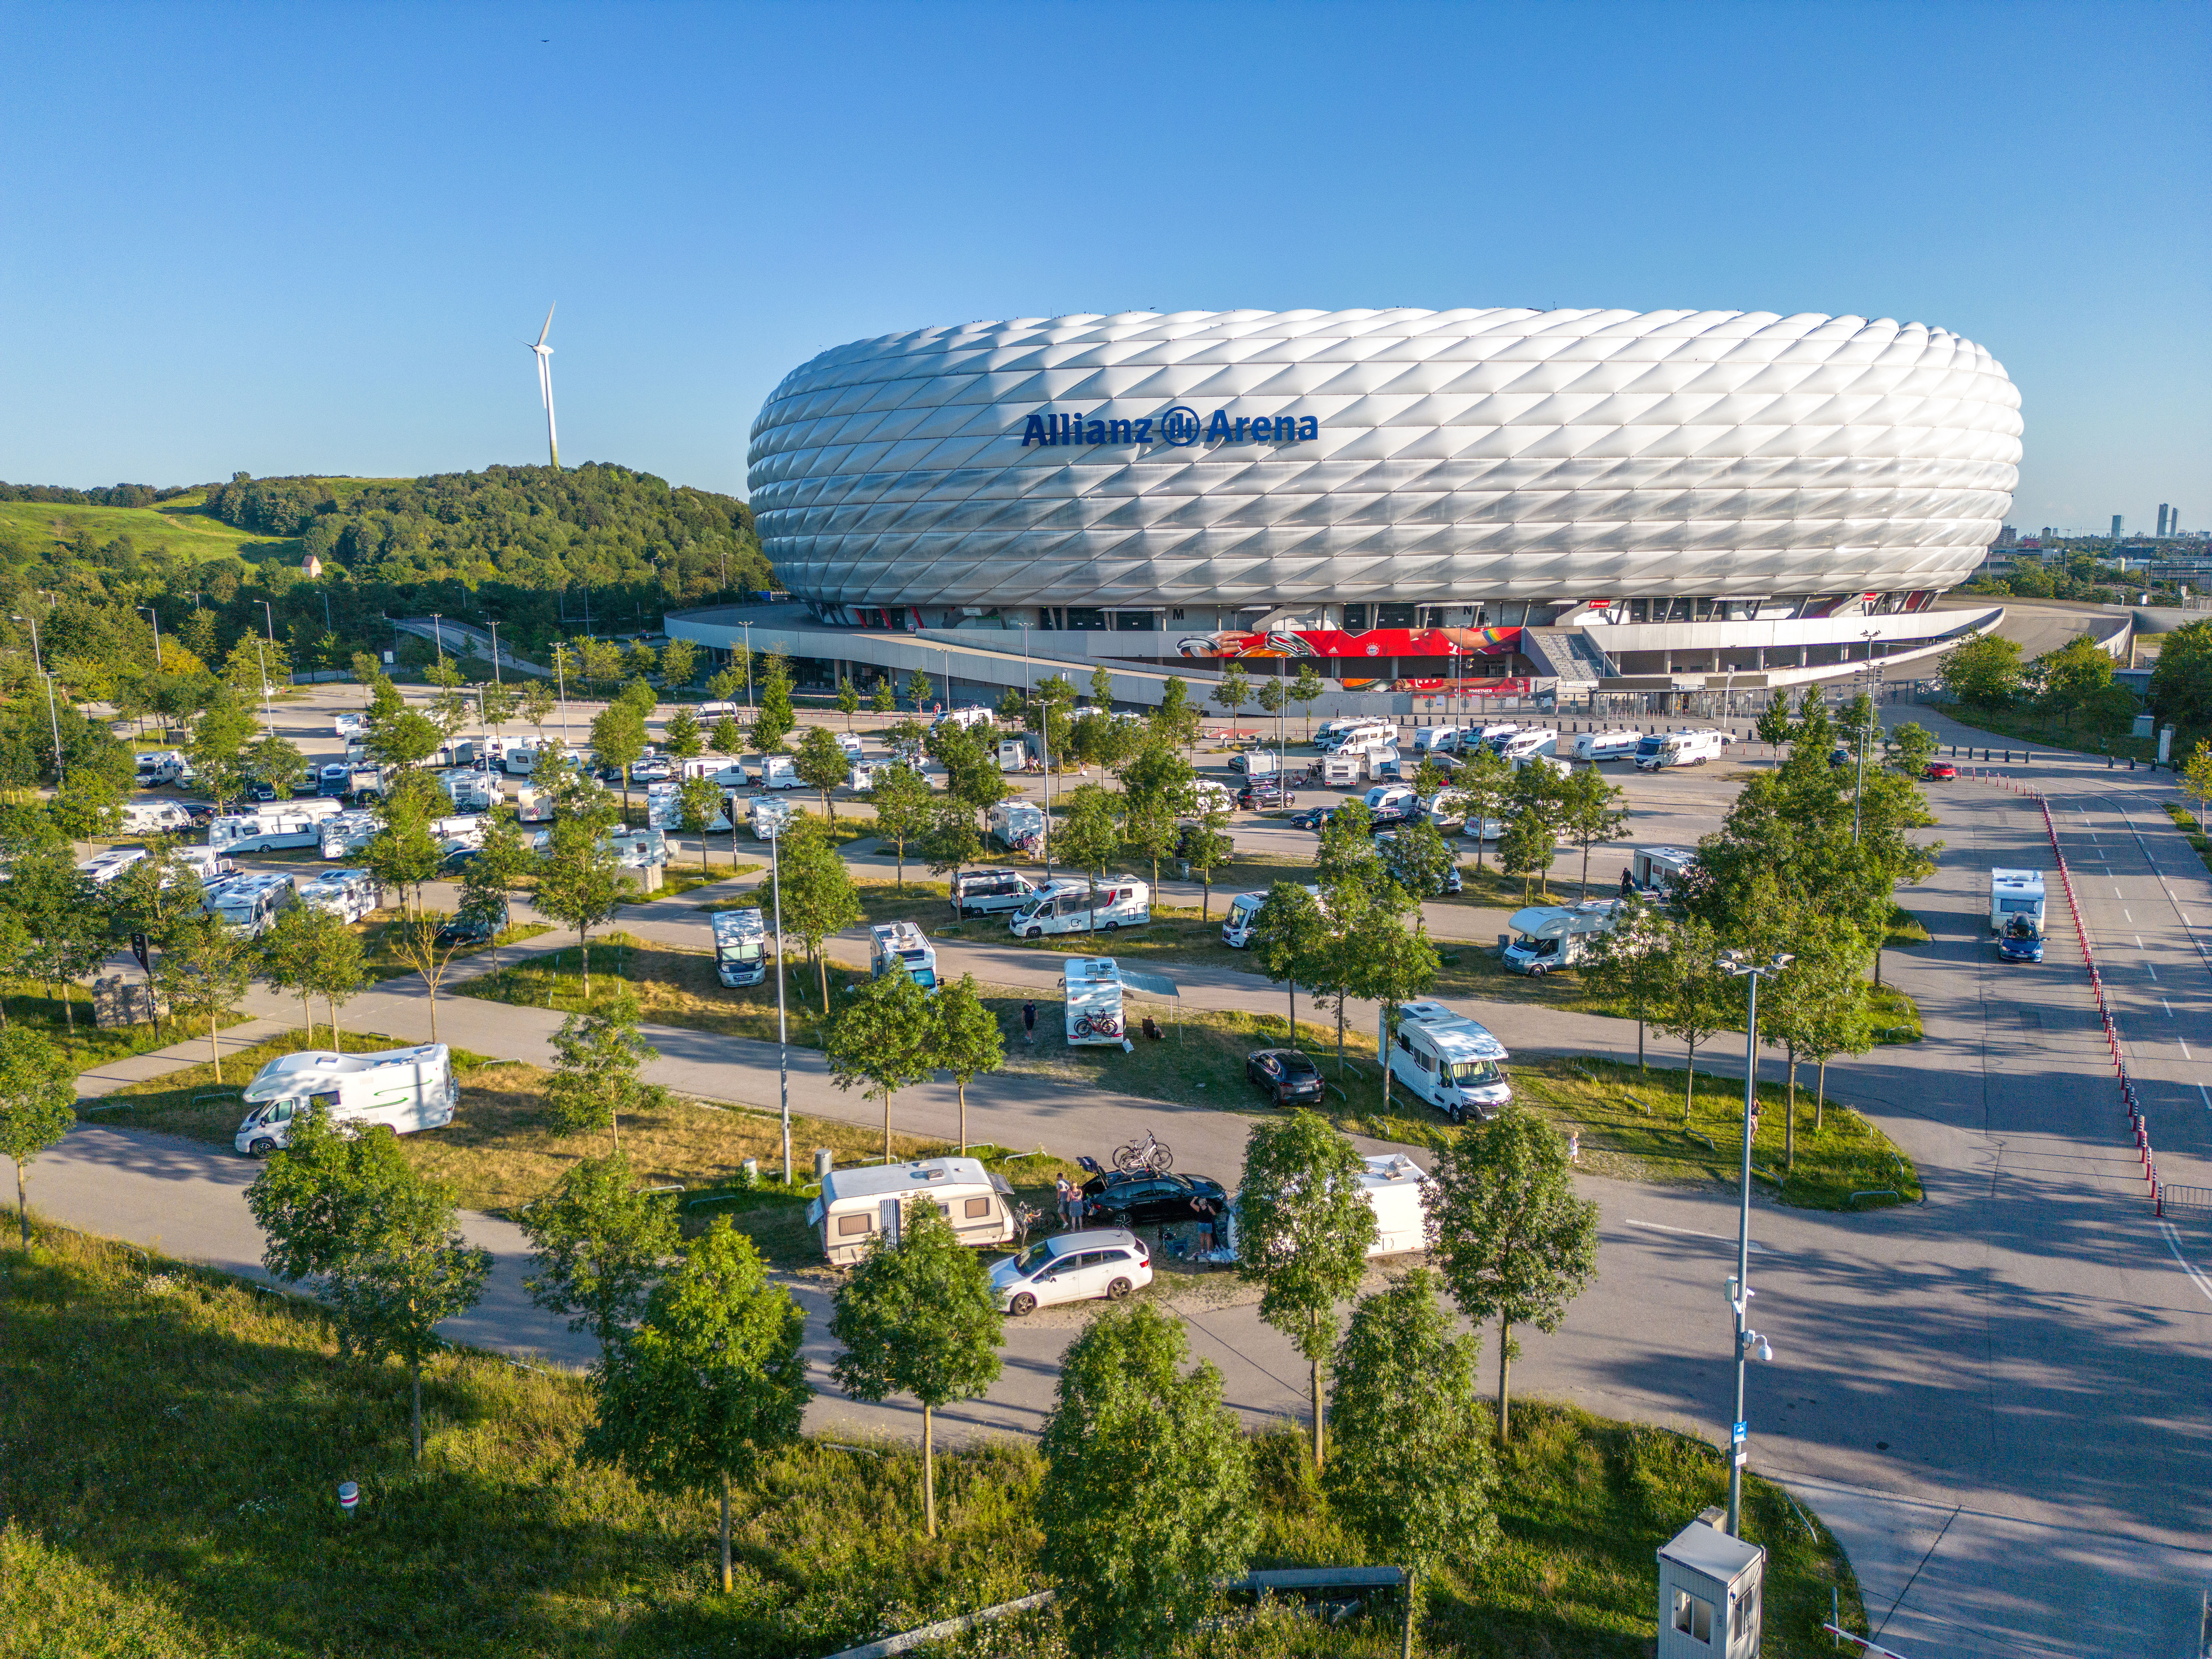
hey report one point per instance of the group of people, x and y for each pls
(1070, 1203)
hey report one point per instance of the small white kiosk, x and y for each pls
(1709, 1592)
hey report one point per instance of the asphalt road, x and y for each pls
(1995, 1397)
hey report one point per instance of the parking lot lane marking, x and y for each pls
(2131, 916)
(2168, 1006)
(2185, 1055)
(2152, 971)
(2200, 1089)
(2173, 1244)
(1690, 1232)
(2139, 944)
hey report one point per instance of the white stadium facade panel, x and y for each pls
(1259, 461)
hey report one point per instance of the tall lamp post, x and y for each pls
(53, 718)
(1866, 733)
(1740, 1292)
(748, 627)
(268, 715)
(782, 1034)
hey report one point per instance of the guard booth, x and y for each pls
(1709, 1593)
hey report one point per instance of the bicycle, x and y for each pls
(1103, 1026)
(1151, 1154)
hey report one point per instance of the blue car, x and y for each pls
(2021, 943)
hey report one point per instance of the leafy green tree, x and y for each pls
(1272, 700)
(203, 973)
(817, 891)
(618, 740)
(727, 739)
(278, 762)
(1526, 850)
(904, 808)
(1590, 814)
(495, 705)
(404, 741)
(217, 747)
(712, 1384)
(1089, 837)
(1798, 1004)
(599, 1246)
(730, 679)
(1629, 964)
(1395, 965)
(403, 853)
(1413, 1469)
(579, 884)
(681, 736)
(698, 804)
(1345, 851)
(1175, 720)
(1207, 849)
(347, 1216)
(679, 665)
(1288, 936)
(883, 700)
(774, 720)
(1695, 994)
(67, 928)
(919, 691)
(972, 776)
(336, 973)
(535, 705)
(822, 766)
(1147, 1536)
(2181, 680)
(964, 1039)
(1233, 691)
(880, 1042)
(1775, 728)
(918, 1317)
(1307, 689)
(951, 843)
(1536, 804)
(1485, 782)
(1417, 860)
(38, 1107)
(2197, 778)
(1909, 748)
(1514, 1241)
(2073, 676)
(1304, 1227)
(502, 860)
(849, 699)
(286, 956)
(1149, 825)
(1984, 672)
(597, 1056)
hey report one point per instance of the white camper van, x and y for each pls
(741, 947)
(991, 892)
(208, 866)
(1448, 1060)
(251, 902)
(858, 1207)
(347, 833)
(1655, 869)
(1207, 796)
(902, 942)
(1092, 988)
(1014, 823)
(154, 817)
(1436, 741)
(472, 791)
(1355, 735)
(1394, 1188)
(157, 767)
(1244, 916)
(1594, 746)
(402, 1090)
(972, 715)
(1655, 750)
(1068, 907)
(348, 895)
(1530, 741)
(265, 832)
(637, 849)
(520, 761)
(2015, 893)
(1549, 936)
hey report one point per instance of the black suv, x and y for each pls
(1140, 1200)
(1312, 817)
(468, 930)
(1265, 791)
(1286, 1074)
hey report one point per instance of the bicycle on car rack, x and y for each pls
(1150, 1154)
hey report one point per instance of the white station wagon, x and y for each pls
(1077, 1266)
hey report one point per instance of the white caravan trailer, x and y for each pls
(781, 772)
(2013, 894)
(1595, 746)
(1092, 987)
(349, 725)
(1393, 1188)
(154, 817)
(208, 867)
(1069, 907)
(533, 804)
(472, 791)
(157, 767)
(972, 715)
(466, 830)
(1549, 936)
(1436, 741)
(103, 867)
(251, 902)
(664, 810)
(1448, 1060)
(637, 849)
(858, 1207)
(1236, 927)
(347, 833)
(1338, 771)
(1657, 750)
(1528, 741)
(348, 895)
(767, 817)
(265, 832)
(741, 947)
(1207, 796)
(901, 942)
(1254, 763)
(520, 761)
(1655, 869)
(1013, 823)
(402, 1090)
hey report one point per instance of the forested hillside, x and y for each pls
(537, 551)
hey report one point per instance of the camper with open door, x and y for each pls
(402, 1090)
(859, 1206)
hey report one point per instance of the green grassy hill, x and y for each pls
(182, 526)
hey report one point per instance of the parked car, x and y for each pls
(1138, 1199)
(1312, 817)
(201, 812)
(1074, 1267)
(1287, 1075)
(255, 789)
(468, 930)
(1265, 791)
(1940, 772)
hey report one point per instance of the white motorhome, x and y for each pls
(1254, 763)
(103, 867)
(1069, 907)
(1436, 741)
(664, 810)
(402, 1090)
(767, 817)
(154, 817)
(1562, 768)
(974, 714)
(1013, 823)
(781, 772)
(520, 761)
(1594, 746)
(1655, 869)
(208, 867)
(1446, 809)
(1549, 936)
(637, 849)
(991, 892)
(740, 946)
(348, 895)
(251, 902)
(1207, 796)
(1530, 740)
(533, 804)
(1355, 735)
(265, 832)
(160, 767)
(901, 942)
(472, 791)
(1655, 750)
(349, 725)
(2014, 893)
(1092, 988)
(1448, 1060)
(1493, 733)
(730, 774)
(859, 1206)
(1337, 771)
(715, 711)
(1394, 1188)
(465, 829)
(347, 833)
(1243, 917)
(1013, 753)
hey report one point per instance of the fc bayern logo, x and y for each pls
(1181, 426)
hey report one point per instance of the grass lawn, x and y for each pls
(2189, 826)
(677, 877)
(2044, 732)
(176, 1438)
(179, 526)
(28, 1006)
(178, 1102)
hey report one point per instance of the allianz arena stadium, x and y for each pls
(1566, 494)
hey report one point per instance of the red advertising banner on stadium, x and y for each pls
(1328, 642)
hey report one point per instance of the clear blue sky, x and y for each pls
(315, 238)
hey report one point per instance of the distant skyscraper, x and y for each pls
(2116, 526)
(2162, 518)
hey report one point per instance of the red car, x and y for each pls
(1940, 771)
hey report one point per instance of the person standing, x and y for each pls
(1029, 1024)
(1061, 1191)
(1075, 1209)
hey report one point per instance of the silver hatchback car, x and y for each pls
(1075, 1266)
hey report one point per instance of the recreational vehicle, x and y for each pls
(265, 832)
(402, 1090)
(1549, 936)
(1092, 988)
(1071, 907)
(1447, 1060)
(1657, 750)
(1015, 825)
(989, 892)
(901, 943)
(974, 714)
(154, 817)
(1243, 918)
(103, 867)
(1393, 1188)
(164, 766)
(859, 1206)
(1354, 735)
(1655, 869)
(1594, 746)
(2015, 893)
(637, 849)
(1531, 740)
(472, 791)
(348, 895)
(766, 818)
(251, 902)
(520, 761)
(741, 947)
(781, 772)
(347, 833)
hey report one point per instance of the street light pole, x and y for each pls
(53, 717)
(748, 627)
(782, 1034)
(268, 715)
(1858, 793)
(1739, 1291)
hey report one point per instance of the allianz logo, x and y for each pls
(1180, 427)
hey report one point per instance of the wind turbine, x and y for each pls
(544, 354)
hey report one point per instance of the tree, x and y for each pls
(713, 1383)
(951, 843)
(1090, 838)
(338, 971)
(1484, 781)
(203, 971)
(618, 740)
(1287, 935)
(1514, 1241)
(880, 1040)
(1775, 728)
(276, 761)
(1800, 1005)
(287, 954)
(883, 700)
(66, 932)
(2181, 680)
(1344, 853)
(596, 1060)
(1147, 1536)
(599, 1247)
(1984, 672)
(403, 853)
(681, 736)
(535, 705)
(1272, 701)
(578, 885)
(1306, 691)
(698, 804)
(2197, 778)
(963, 1039)
(1694, 994)
(1233, 692)
(815, 887)
(1590, 814)
(1206, 849)
(679, 662)
(1908, 750)
(349, 1217)
(38, 1107)
(1304, 1227)
(217, 745)
(1631, 964)
(1413, 1468)
(904, 806)
(918, 1317)
(414, 941)
(1149, 823)
(1175, 720)
(502, 859)
(495, 705)
(2073, 676)
(848, 700)
(1418, 860)
(774, 720)
(1394, 965)
(1536, 798)
(732, 676)
(822, 766)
